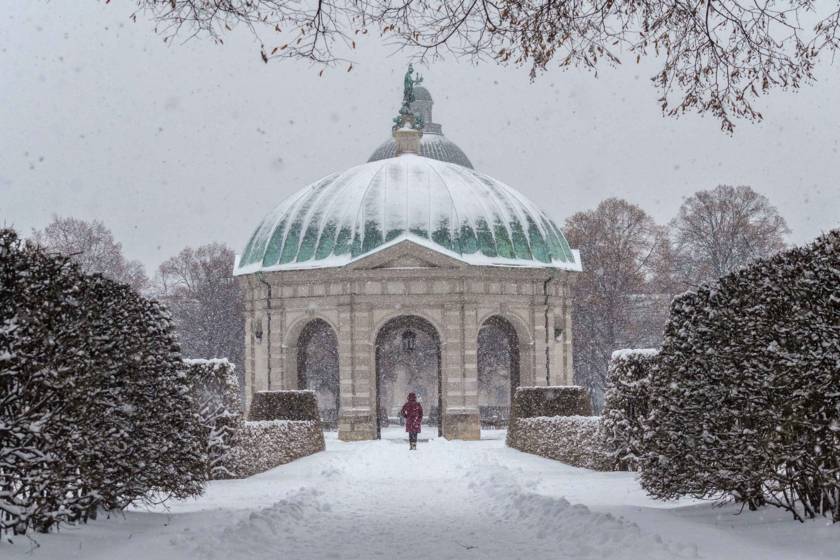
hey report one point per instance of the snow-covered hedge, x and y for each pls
(262, 445)
(95, 411)
(284, 405)
(288, 427)
(575, 440)
(554, 422)
(559, 400)
(745, 396)
(216, 398)
(626, 405)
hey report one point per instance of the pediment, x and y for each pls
(406, 254)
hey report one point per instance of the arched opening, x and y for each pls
(498, 370)
(407, 360)
(317, 368)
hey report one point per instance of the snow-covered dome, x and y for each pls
(446, 207)
(432, 146)
(422, 94)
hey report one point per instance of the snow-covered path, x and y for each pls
(447, 500)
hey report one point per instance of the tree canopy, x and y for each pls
(714, 56)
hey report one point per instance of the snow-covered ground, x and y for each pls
(446, 500)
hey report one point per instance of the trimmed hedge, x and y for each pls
(260, 446)
(627, 405)
(574, 440)
(95, 412)
(216, 398)
(561, 400)
(744, 396)
(555, 422)
(284, 405)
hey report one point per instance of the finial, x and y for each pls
(408, 127)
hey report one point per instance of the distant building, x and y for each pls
(411, 272)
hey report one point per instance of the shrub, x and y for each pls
(554, 422)
(216, 398)
(95, 411)
(39, 311)
(284, 405)
(259, 446)
(744, 398)
(627, 406)
(574, 440)
(561, 400)
(131, 408)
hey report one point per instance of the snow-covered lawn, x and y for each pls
(446, 500)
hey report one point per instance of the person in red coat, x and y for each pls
(412, 411)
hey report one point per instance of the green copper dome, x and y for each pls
(443, 206)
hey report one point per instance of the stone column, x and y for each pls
(358, 417)
(259, 370)
(470, 371)
(248, 362)
(278, 380)
(538, 329)
(460, 421)
(568, 369)
(558, 357)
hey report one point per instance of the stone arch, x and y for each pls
(384, 342)
(499, 359)
(293, 331)
(433, 322)
(520, 325)
(527, 359)
(316, 365)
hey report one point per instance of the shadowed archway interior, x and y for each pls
(408, 359)
(317, 367)
(498, 370)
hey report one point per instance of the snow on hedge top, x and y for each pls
(630, 352)
(210, 361)
(443, 206)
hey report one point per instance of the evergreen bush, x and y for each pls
(95, 411)
(284, 405)
(626, 405)
(216, 397)
(744, 399)
(560, 400)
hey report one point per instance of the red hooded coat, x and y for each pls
(413, 414)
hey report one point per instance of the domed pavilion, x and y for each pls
(411, 272)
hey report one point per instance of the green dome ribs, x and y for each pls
(346, 215)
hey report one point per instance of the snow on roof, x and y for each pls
(444, 207)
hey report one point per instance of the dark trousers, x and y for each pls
(412, 437)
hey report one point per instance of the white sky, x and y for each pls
(187, 144)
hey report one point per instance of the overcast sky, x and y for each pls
(187, 144)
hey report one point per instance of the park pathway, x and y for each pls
(448, 500)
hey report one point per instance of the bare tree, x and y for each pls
(206, 304)
(612, 306)
(92, 246)
(718, 231)
(717, 56)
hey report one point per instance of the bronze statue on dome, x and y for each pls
(406, 117)
(408, 86)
